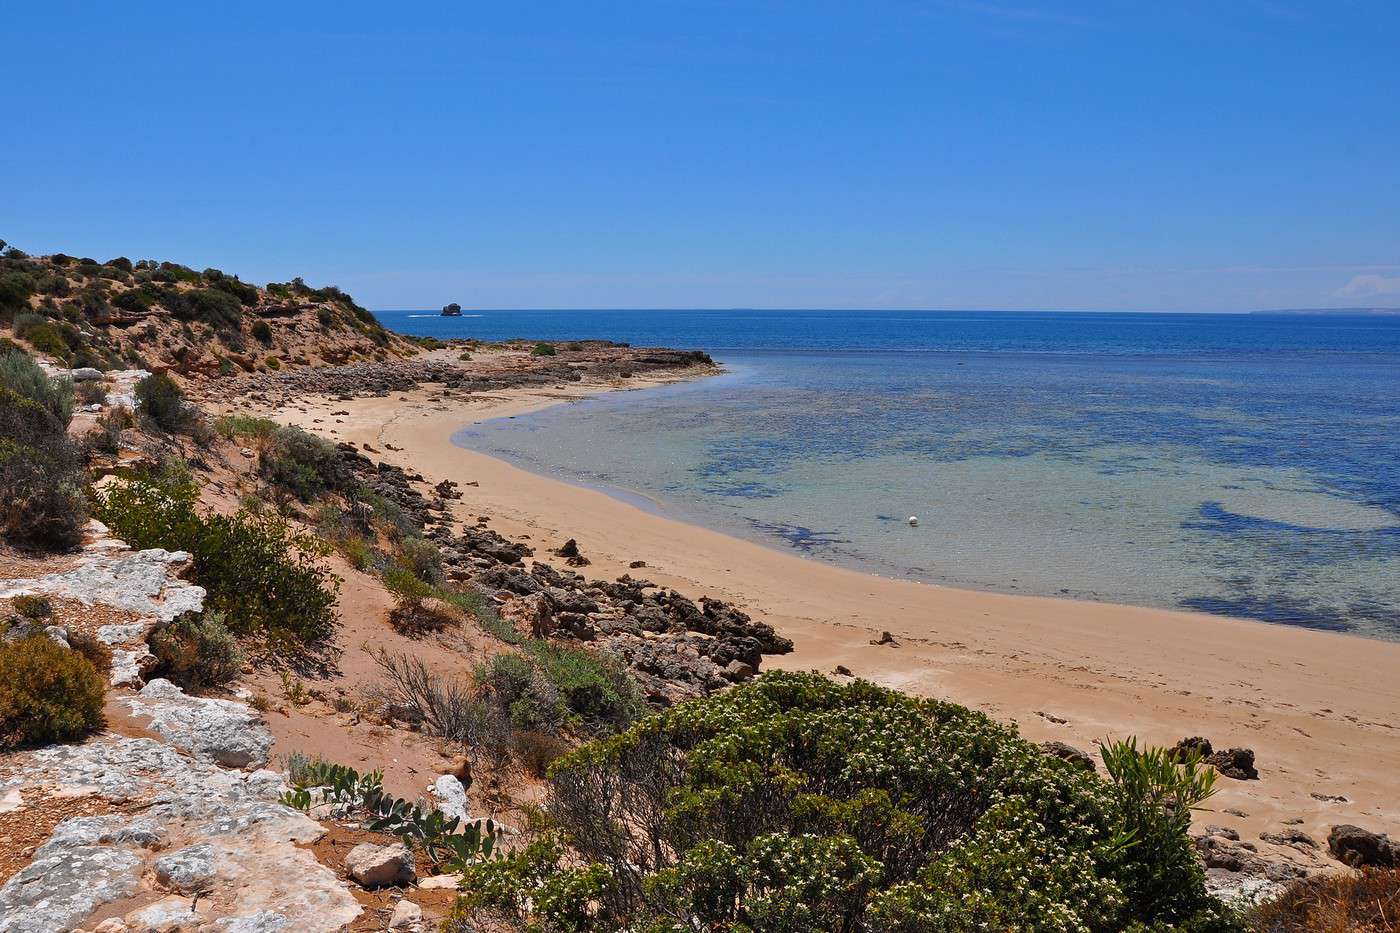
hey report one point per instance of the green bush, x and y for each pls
(244, 293)
(136, 299)
(543, 349)
(245, 426)
(42, 475)
(262, 332)
(596, 688)
(15, 289)
(266, 579)
(302, 464)
(797, 804)
(552, 685)
(41, 334)
(521, 689)
(196, 651)
(174, 272)
(408, 591)
(20, 374)
(162, 402)
(48, 693)
(210, 305)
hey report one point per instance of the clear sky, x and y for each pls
(1191, 155)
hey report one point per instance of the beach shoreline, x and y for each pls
(1318, 708)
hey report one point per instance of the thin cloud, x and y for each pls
(1369, 286)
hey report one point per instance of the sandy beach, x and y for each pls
(1320, 710)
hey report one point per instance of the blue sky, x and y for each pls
(1194, 155)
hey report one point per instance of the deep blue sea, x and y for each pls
(1240, 464)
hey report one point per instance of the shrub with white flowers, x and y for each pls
(799, 804)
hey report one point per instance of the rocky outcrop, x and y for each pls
(140, 582)
(222, 731)
(595, 360)
(1237, 763)
(176, 838)
(178, 825)
(1362, 848)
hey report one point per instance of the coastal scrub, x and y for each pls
(798, 804)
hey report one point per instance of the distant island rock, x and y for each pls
(452, 310)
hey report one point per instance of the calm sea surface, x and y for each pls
(1247, 465)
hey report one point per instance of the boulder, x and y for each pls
(737, 670)
(1290, 837)
(376, 866)
(1066, 752)
(1195, 745)
(1361, 848)
(1237, 763)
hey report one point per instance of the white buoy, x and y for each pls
(913, 521)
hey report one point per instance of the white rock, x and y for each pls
(85, 374)
(143, 582)
(375, 866)
(188, 870)
(440, 882)
(166, 916)
(234, 817)
(222, 731)
(407, 916)
(451, 797)
(122, 634)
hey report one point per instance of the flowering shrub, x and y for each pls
(796, 804)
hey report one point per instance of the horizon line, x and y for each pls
(1360, 310)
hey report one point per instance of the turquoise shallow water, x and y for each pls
(1243, 465)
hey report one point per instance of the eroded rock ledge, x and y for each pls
(181, 831)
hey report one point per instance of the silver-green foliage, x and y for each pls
(796, 804)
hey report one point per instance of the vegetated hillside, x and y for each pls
(121, 314)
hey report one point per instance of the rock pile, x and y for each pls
(675, 647)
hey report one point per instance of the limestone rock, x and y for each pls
(407, 916)
(451, 797)
(200, 826)
(188, 870)
(221, 731)
(376, 866)
(142, 582)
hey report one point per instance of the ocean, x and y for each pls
(1240, 464)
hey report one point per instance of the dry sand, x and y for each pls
(1321, 710)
